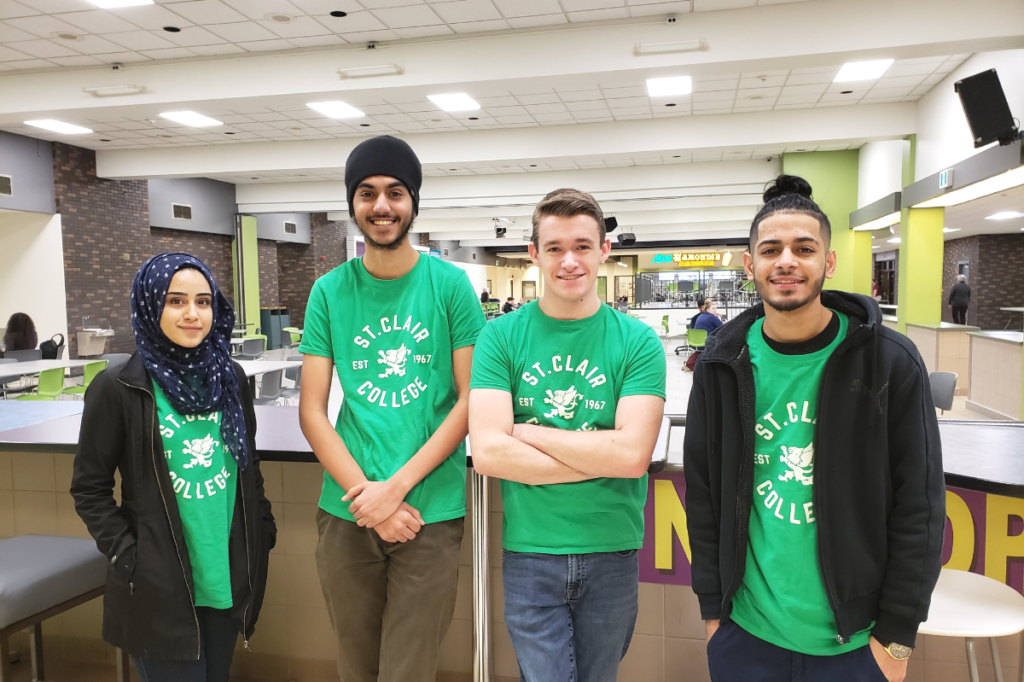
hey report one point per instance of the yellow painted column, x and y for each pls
(920, 255)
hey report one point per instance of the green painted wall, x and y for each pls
(250, 259)
(833, 178)
(921, 248)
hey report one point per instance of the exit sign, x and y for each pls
(946, 179)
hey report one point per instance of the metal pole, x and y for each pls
(240, 273)
(482, 657)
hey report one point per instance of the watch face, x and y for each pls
(899, 652)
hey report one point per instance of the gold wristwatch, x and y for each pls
(896, 651)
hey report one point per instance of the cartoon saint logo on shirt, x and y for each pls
(800, 462)
(394, 361)
(201, 451)
(563, 403)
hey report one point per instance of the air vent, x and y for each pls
(290, 228)
(6, 189)
(182, 211)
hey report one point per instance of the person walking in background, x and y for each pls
(189, 544)
(566, 401)
(485, 296)
(21, 333)
(399, 326)
(815, 499)
(960, 299)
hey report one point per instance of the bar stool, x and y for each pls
(969, 605)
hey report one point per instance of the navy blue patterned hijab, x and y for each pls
(195, 380)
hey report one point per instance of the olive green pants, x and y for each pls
(390, 603)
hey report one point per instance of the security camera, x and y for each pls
(499, 229)
(769, 159)
(116, 66)
(627, 239)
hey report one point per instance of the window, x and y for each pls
(290, 228)
(5, 186)
(182, 211)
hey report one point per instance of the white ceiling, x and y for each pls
(561, 88)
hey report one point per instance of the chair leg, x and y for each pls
(995, 658)
(36, 646)
(5, 660)
(972, 659)
(123, 667)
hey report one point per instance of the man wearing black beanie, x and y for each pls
(399, 326)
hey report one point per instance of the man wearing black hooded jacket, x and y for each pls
(814, 485)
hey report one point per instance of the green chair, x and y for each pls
(696, 337)
(91, 370)
(51, 383)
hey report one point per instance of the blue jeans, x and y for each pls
(571, 616)
(217, 636)
(735, 655)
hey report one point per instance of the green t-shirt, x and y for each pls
(570, 374)
(203, 476)
(782, 599)
(391, 342)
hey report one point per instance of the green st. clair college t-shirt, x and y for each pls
(570, 374)
(391, 342)
(204, 478)
(782, 599)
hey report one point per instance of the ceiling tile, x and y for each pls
(523, 118)
(900, 82)
(9, 34)
(811, 78)
(325, 7)
(241, 32)
(764, 81)
(632, 111)
(258, 9)
(555, 108)
(658, 9)
(719, 96)
(385, 4)
(355, 22)
(581, 95)
(215, 50)
(406, 17)
(55, 6)
(172, 53)
(152, 17)
(193, 35)
(464, 11)
(809, 89)
(424, 32)
(43, 48)
(546, 98)
(121, 57)
(543, 20)
(96, 21)
(266, 45)
(481, 26)
(488, 102)
(299, 27)
(80, 60)
(10, 9)
(598, 15)
(207, 12)
(95, 45)
(317, 41)
(416, 107)
(139, 40)
(42, 26)
(715, 86)
(796, 99)
(587, 5)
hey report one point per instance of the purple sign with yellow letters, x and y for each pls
(984, 534)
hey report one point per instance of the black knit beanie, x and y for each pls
(384, 155)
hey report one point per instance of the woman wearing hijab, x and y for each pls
(188, 545)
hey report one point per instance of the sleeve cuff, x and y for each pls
(710, 606)
(892, 628)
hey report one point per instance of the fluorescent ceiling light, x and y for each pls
(191, 118)
(458, 101)
(115, 90)
(1005, 215)
(894, 240)
(370, 71)
(667, 87)
(114, 4)
(58, 126)
(997, 183)
(335, 109)
(876, 246)
(947, 230)
(879, 223)
(862, 71)
(666, 48)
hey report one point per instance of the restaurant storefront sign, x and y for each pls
(693, 259)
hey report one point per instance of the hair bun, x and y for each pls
(787, 184)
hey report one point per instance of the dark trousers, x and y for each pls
(959, 314)
(217, 636)
(735, 655)
(390, 604)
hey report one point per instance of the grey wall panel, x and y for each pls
(29, 163)
(466, 254)
(271, 226)
(213, 204)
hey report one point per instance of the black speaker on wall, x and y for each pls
(627, 239)
(987, 111)
(610, 223)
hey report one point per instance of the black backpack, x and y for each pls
(53, 349)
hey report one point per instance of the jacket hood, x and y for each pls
(727, 342)
(134, 372)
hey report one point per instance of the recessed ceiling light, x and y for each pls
(229, 133)
(1005, 215)
(279, 17)
(105, 140)
(115, 4)
(335, 109)
(58, 126)
(66, 35)
(947, 230)
(456, 101)
(474, 118)
(172, 29)
(894, 240)
(191, 119)
(862, 71)
(339, 13)
(667, 87)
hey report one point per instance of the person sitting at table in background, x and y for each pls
(509, 305)
(399, 326)
(960, 299)
(178, 593)
(21, 333)
(708, 319)
(521, 303)
(565, 405)
(623, 305)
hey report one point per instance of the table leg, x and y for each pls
(123, 666)
(482, 656)
(36, 646)
(6, 674)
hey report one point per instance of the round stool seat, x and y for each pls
(971, 605)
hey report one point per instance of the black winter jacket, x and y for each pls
(960, 295)
(148, 605)
(879, 494)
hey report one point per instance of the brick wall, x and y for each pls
(299, 265)
(269, 295)
(107, 237)
(997, 261)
